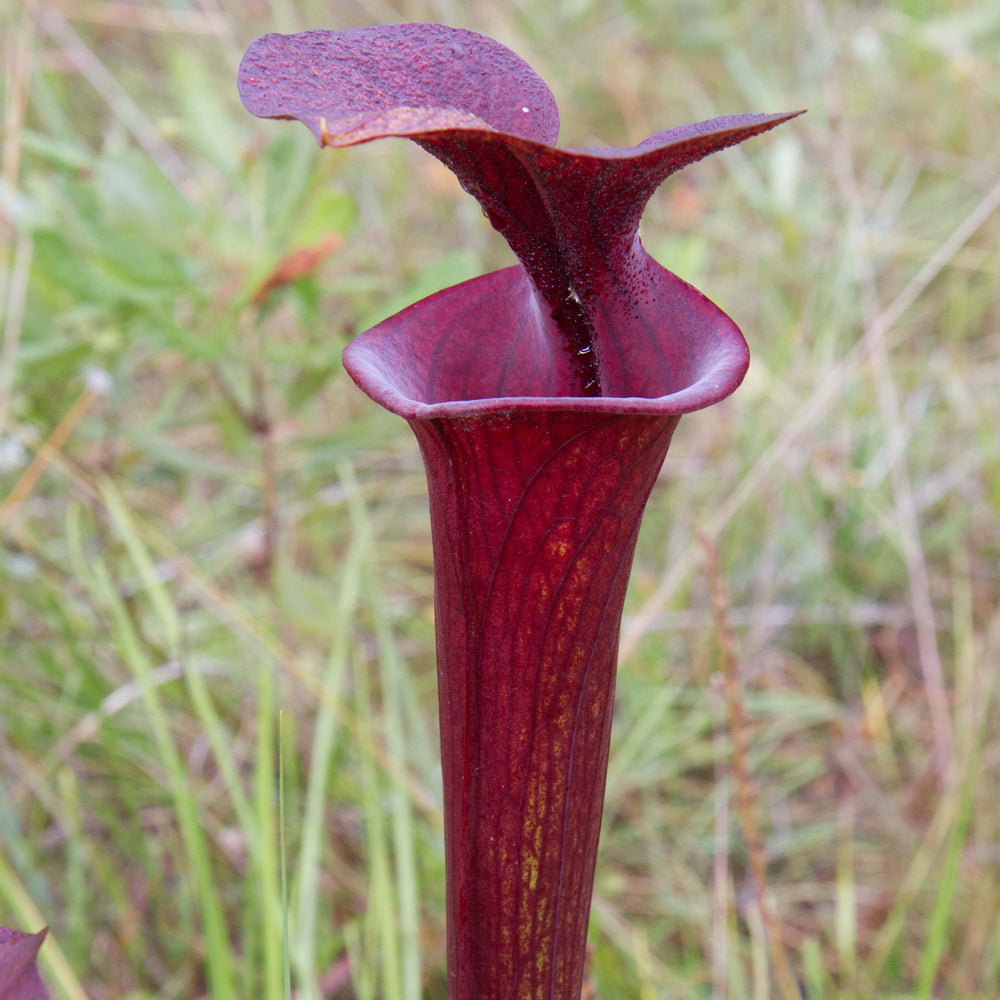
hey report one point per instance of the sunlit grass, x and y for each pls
(204, 524)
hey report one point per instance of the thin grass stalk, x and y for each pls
(283, 860)
(718, 948)
(975, 692)
(266, 891)
(846, 890)
(393, 689)
(380, 931)
(746, 795)
(326, 730)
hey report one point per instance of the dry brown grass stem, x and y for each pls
(720, 861)
(45, 455)
(746, 793)
(261, 425)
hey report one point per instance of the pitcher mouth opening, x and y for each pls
(486, 346)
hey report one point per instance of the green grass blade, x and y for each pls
(941, 917)
(380, 935)
(286, 955)
(324, 738)
(267, 859)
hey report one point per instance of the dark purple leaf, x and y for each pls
(534, 516)
(395, 79)
(19, 979)
(571, 216)
(544, 397)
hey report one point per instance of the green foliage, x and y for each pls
(225, 530)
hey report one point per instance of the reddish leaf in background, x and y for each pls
(295, 265)
(543, 397)
(19, 978)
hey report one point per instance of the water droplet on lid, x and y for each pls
(525, 110)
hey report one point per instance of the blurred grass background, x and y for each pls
(204, 524)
